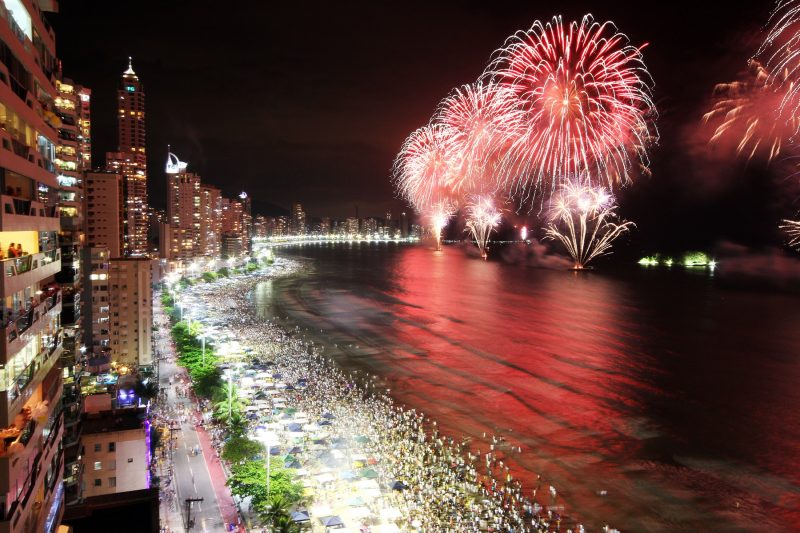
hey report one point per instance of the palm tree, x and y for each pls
(278, 507)
(285, 524)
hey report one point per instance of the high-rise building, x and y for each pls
(183, 209)
(297, 223)
(130, 160)
(210, 221)
(97, 308)
(325, 226)
(351, 226)
(130, 291)
(404, 225)
(31, 384)
(281, 227)
(260, 226)
(232, 216)
(103, 211)
(72, 108)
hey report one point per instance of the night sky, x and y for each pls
(311, 101)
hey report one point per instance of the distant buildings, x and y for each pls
(183, 210)
(297, 224)
(210, 222)
(131, 161)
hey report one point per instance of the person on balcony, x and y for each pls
(12, 252)
(20, 253)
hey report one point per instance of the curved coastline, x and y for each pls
(476, 490)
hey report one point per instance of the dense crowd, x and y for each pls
(438, 484)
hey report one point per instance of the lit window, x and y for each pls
(98, 465)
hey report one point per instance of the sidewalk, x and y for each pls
(218, 478)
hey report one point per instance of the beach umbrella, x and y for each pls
(361, 439)
(324, 423)
(296, 449)
(300, 516)
(355, 501)
(295, 427)
(328, 416)
(288, 458)
(293, 464)
(399, 485)
(368, 473)
(331, 521)
(348, 475)
(274, 450)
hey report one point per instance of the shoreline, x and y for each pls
(478, 477)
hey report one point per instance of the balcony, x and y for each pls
(11, 401)
(22, 327)
(22, 272)
(20, 214)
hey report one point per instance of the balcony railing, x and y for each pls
(19, 322)
(27, 263)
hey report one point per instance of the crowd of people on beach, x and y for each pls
(437, 482)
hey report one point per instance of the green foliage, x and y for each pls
(206, 377)
(277, 513)
(238, 449)
(249, 479)
(224, 272)
(221, 403)
(209, 276)
(251, 267)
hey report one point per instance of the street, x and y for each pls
(188, 449)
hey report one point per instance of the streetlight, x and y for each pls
(230, 394)
(264, 435)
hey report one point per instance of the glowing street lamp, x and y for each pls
(264, 436)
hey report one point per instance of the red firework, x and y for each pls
(483, 120)
(587, 97)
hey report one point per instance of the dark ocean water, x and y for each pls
(678, 397)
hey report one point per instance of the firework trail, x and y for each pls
(422, 170)
(484, 119)
(587, 96)
(482, 217)
(747, 110)
(583, 220)
(780, 55)
(792, 230)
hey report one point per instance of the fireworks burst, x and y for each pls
(583, 220)
(422, 170)
(438, 215)
(792, 229)
(484, 119)
(747, 109)
(482, 217)
(587, 97)
(780, 54)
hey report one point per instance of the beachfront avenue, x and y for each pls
(341, 452)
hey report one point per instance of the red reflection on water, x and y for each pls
(679, 401)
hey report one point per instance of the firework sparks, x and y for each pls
(484, 119)
(780, 54)
(482, 217)
(587, 97)
(747, 110)
(422, 170)
(792, 230)
(583, 220)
